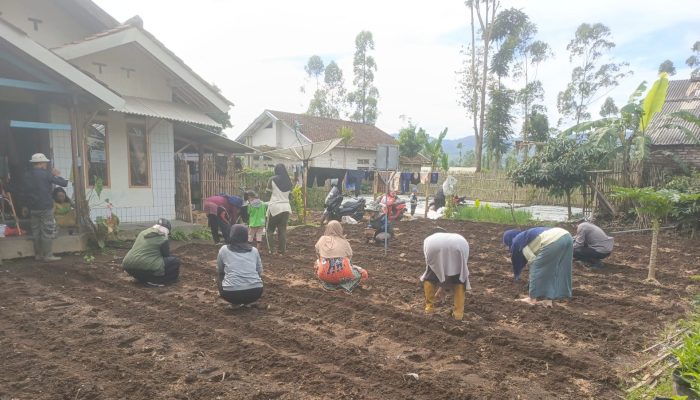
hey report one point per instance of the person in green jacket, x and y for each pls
(149, 260)
(256, 219)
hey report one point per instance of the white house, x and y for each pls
(105, 100)
(275, 130)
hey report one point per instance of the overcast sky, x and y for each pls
(255, 51)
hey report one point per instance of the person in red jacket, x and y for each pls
(222, 212)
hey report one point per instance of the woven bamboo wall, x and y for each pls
(221, 179)
(183, 192)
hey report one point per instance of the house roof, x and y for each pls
(167, 110)
(19, 39)
(416, 160)
(682, 95)
(317, 129)
(133, 32)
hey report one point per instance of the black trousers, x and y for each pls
(217, 224)
(588, 255)
(278, 223)
(172, 272)
(241, 296)
(451, 280)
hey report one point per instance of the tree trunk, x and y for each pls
(568, 203)
(655, 227)
(625, 164)
(475, 94)
(427, 193)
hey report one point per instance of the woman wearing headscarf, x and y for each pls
(63, 209)
(149, 260)
(222, 212)
(549, 251)
(278, 208)
(239, 269)
(446, 256)
(334, 265)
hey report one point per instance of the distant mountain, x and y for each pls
(450, 145)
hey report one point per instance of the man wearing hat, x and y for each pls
(38, 187)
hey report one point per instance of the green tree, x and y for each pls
(694, 60)
(318, 106)
(499, 122)
(459, 147)
(655, 204)
(432, 150)
(412, 140)
(364, 98)
(609, 109)
(667, 67)
(560, 167)
(346, 134)
(538, 127)
(314, 68)
(334, 88)
(591, 76)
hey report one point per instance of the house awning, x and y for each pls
(194, 137)
(166, 110)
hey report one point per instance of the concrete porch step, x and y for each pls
(23, 246)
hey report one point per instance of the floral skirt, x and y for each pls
(339, 273)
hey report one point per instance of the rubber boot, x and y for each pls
(429, 291)
(458, 311)
(47, 250)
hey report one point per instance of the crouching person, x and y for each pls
(446, 256)
(239, 269)
(149, 260)
(334, 265)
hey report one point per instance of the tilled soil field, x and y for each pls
(78, 330)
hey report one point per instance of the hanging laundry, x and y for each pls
(405, 181)
(434, 178)
(415, 178)
(424, 178)
(395, 182)
(320, 175)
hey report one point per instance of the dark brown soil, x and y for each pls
(76, 330)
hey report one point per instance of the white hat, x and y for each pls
(39, 157)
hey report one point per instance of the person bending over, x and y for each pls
(446, 256)
(549, 251)
(149, 260)
(239, 269)
(592, 244)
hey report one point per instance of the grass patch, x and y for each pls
(485, 213)
(182, 236)
(695, 278)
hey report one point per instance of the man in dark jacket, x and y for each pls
(38, 188)
(149, 260)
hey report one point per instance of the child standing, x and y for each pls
(414, 200)
(256, 214)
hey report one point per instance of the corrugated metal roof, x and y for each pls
(682, 95)
(166, 110)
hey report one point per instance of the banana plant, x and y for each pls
(625, 134)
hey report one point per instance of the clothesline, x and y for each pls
(397, 181)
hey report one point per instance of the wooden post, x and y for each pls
(305, 168)
(82, 209)
(200, 164)
(427, 193)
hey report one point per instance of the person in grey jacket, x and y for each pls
(592, 244)
(38, 190)
(239, 269)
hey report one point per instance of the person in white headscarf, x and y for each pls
(446, 256)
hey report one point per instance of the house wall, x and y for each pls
(661, 156)
(56, 28)
(130, 204)
(146, 80)
(334, 159)
(264, 137)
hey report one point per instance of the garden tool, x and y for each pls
(429, 290)
(459, 293)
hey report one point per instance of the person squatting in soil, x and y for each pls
(592, 244)
(222, 212)
(334, 264)
(446, 257)
(278, 208)
(379, 227)
(257, 210)
(550, 254)
(414, 201)
(38, 187)
(149, 260)
(239, 269)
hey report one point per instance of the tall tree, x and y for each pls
(364, 98)
(499, 122)
(334, 87)
(412, 140)
(694, 60)
(314, 68)
(459, 147)
(538, 127)
(667, 67)
(609, 109)
(432, 149)
(591, 76)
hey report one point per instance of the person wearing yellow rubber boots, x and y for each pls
(446, 256)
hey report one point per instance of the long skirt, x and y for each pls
(550, 271)
(339, 273)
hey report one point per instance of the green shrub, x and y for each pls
(297, 202)
(201, 234)
(486, 213)
(688, 356)
(178, 235)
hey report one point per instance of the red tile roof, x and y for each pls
(317, 129)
